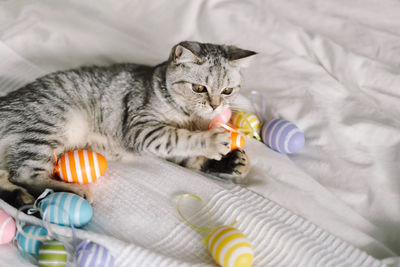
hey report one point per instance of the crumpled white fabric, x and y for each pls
(331, 67)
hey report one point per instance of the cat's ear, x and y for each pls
(239, 57)
(185, 52)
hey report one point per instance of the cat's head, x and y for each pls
(205, 78)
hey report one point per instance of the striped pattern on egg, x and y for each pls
(7, 227)
(31, 245)
(90, 254)
(246, 121)
(282, 136)
(52, 254)
(237, 141)
(230, 248)
(64, 207)
(80, 166)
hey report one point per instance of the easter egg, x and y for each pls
(230, 248)
(246, 121)
(80, 166)
(63, 207)
(223, 117)
(7, 227)
(282, 136)
(90, 254)
(31, 245)
(52, 254)
(237, 141)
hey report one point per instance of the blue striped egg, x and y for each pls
(282, 136)
(89, 254)
(63, 207)
(30, 245)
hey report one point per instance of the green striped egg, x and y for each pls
(52, 254)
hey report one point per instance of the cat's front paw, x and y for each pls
(233, 166)
(217, 143)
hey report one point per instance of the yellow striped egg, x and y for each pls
(246, 121)
(230, 248)
(80, 166)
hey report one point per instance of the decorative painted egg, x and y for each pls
(80, 166)
(64, 207)
(90, 254)
(246, 121)
(237, 141)
(282, 136)
(52, 254)
(7, 227)
(230, 248)
(31, 245)
(223, 117)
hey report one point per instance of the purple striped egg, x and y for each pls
(282, 136)
(89, 254)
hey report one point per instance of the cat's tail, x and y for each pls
(13, 194)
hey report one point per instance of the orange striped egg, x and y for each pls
(237, 141)
(80, 166)
(230, 248)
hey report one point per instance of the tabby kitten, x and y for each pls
(119, 110)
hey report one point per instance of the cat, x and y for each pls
(120, 110)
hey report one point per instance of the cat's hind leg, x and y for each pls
(14, 195)
(33, 171)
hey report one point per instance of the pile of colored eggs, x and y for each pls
(64, 209)
(280, 135)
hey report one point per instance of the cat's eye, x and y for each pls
(227, 91)
(199, 88)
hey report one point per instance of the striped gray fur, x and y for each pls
(120, 110)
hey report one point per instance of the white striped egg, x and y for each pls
(52, 254)
(230, 248)
(7, 227)
(282, 136)
(246, 121)
(28, 244)
(80, 166)
(63, 207)
(90, 254)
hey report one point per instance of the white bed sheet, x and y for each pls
(331, 67)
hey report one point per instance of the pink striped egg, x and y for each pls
(223, 117)
(7, 227)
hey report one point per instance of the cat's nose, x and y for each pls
(214, 106)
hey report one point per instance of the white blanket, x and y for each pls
(331, 67)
